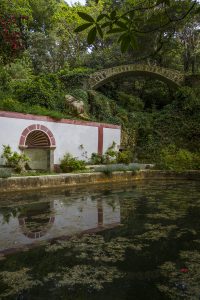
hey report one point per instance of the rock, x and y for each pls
(74, 105)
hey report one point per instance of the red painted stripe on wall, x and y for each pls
(100, 140)
(16, 115)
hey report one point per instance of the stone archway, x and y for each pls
(38, 142)
(172, 77)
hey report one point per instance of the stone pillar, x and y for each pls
(51, 159)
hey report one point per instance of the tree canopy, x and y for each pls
(48, 49)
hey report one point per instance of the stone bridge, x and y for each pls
(172, 77)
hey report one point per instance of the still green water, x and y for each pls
(138, 241)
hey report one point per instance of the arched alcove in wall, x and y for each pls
(38, 142)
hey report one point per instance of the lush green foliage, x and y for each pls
(146, 132)
(139, 19)
(96, 159)
(172, 158)
(125, 157)
(97, 101)
(70, 163)
(57, 61)
(14, 105)
(45, 91)
(109, 157)
(112, 156)
(13, 159)
(130, 102)
(74, 77)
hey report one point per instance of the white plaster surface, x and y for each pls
(111, 135)
(68, 137)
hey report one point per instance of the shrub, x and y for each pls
(124, 157)
(4, 80)
(12, 105)
(46, 91)
(96, 159)
(74, 77)
(5, 173)
(20, 69)
(70, 163)
(110, 154)
(155, 94)
(175, 159)
(14, 160)
(186, 99)
(131, 102)
(100, 107)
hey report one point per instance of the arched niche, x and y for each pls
(38, 142)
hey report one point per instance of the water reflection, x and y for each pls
(154, 255)
(37, 219)
(52, 216)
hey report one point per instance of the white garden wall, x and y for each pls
(67, 135)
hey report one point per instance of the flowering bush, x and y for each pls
(11, 37)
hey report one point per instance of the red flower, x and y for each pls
(184, 270)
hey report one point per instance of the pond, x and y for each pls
(138, 241)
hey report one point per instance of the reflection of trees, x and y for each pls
(20, 201)
(144, 257)
(9, 212)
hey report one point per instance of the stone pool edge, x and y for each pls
(28, 183)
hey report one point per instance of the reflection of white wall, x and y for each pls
(111, 214)
(68, 137)
(11, 234)
(78, 216)
(70, 218)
